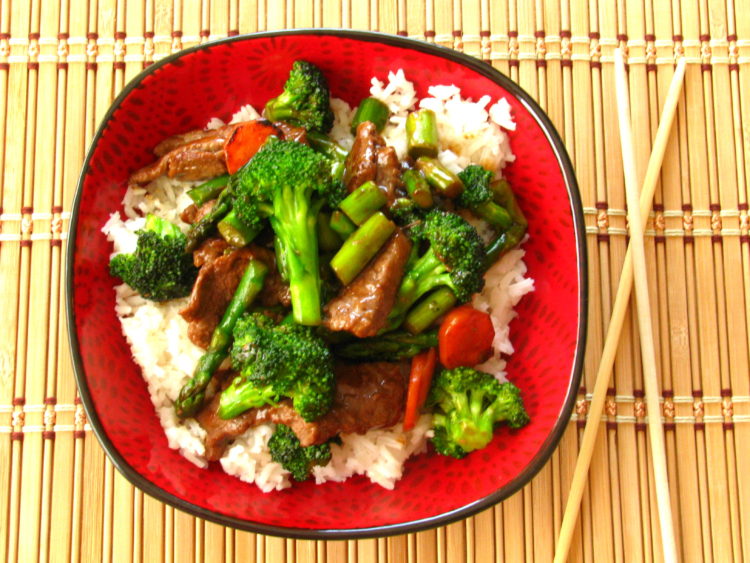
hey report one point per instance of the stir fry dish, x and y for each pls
(328, 279)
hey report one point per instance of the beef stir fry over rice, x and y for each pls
(318, 292)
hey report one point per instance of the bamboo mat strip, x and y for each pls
(63, 61)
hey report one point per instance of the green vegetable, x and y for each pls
(159, 269)
(430, 309)
(371, 109)
(192, 393)
(361, 247)
(235, 231)
(389, 347)
(417, 188)
(305, 101)
(208, 190)
(478, 197)
(422, 133)
(201, 230)
(363, 202)
(468, 405)
(328, 239)
(342, 225)
(286, 449)
(454, 259)
(289, 182)
(329, 148)
(275, 361)
(439, 177)
(514, 234)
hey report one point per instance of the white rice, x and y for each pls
(157, 334)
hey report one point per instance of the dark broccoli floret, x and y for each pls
(455, 258)
(305, 100)
(289, 182)
(278, 360)
(409, 216)
(159, 269)
(285, 449)
(478, 197)
(468, 404)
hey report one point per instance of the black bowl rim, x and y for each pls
(465, 511)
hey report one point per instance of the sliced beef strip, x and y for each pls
(209, 250)
(216, 283)
(367, 396)
(361, 163)
(388, 175)
(192, 213)
(202, 139)
(363, 306)
(291, 133)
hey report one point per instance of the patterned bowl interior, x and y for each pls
(214, 80)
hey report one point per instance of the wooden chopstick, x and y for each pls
(616, 323)
(648, 353)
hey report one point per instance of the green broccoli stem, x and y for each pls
(235, 232)
(161, 227)
(328, 239)
(202, 229)
(494, 214)
(387, 347)
(193, 392)
(208, 190)
(360, 248)
(363, 202)
(417, 188)
(330, 149)
(422, 133)
(281, 261)
(425, 313)
(370, 109)
(294, 221)
(342, 225)
(439, 177)
(244, 395)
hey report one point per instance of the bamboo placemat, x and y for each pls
(61, 64)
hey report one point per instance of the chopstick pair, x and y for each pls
(635, 263)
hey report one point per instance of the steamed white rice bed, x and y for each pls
(157, 334)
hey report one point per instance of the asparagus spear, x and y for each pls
(363, 202)
(359, 248)
(417, 188)
(371, 109)
(193, 392)
(342, 225)
(200, 230)
(434, 306)
(208, 190)
(387, 347)
(422, 133)
(439, 177)
(235, 232)
(328, 239)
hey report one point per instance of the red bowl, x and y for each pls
(182, 92)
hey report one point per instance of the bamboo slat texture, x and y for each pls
(63, 61)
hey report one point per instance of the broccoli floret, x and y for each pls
(409, 216)
(468, 404)
(159, 269)
(455, 258)
(305, 100)
(476, 186)
(285, 449)
(278, 360)
(478, 197)
(289, 182)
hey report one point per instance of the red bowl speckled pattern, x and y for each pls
(183, 92)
